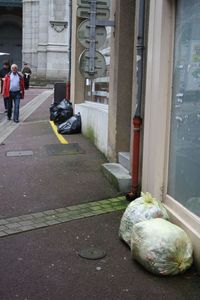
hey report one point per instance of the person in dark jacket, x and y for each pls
(13, 89)
(26, 71)
(3, 72)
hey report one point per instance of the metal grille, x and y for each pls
(19, 153)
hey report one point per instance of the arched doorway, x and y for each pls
(11, 42)
(11, 38)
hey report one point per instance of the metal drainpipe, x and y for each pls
(137, 119)
(68, 83)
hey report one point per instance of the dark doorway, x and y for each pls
(11, 34)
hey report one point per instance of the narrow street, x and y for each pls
(55, 202)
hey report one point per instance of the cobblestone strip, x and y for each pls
(61, 215)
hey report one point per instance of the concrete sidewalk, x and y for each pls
(51, 208)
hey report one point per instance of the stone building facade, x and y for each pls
(46, 38)
(42, 36)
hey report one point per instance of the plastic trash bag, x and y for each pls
(161, 247)
(53, 108)
(53, 112)
(54, 115)
(62, 116)
(61, 112)
(144, 208)
(64, 104)
(73, 125)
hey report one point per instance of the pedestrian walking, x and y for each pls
(13, 90)
(3, 72)
(26, 71)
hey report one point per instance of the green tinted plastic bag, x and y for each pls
(161, 247)
(144, 208)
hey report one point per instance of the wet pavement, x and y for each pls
(29, 95)
(54, 196)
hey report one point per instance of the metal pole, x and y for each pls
(137, 120)
(91, 88)
(70, 52)
(140, 50)
(92, 47)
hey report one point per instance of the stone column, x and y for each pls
(27, 32)
(58, 37)
(43, 39)
(121, 77)
(77, 81)
(35, 31)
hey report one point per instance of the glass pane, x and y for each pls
(184, 163)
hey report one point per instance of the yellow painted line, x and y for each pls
(59, 136)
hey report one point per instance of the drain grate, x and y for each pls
(92, 253)
(19, 153)
(61, 149)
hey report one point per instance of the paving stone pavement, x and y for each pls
(51, 217)
(7, 127)
(44, 264)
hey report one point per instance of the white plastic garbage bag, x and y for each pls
(141, 209)
(161, 247)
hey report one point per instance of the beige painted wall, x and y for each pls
(121, 73)
(158, 97)
(77, 81)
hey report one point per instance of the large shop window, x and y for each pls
(100, 86)
(184, 160)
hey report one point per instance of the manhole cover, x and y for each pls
(92, 253)
(59, 149)
(19, 153)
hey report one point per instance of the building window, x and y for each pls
(184, 160)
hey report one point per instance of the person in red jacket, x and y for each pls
(13, 89)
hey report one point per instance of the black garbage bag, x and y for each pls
(61, 112)
(53, 112)
(64, 104)
(54, 115)
(53, 108)
(63, 116)
(73, 125)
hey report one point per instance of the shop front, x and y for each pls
(171, 165)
